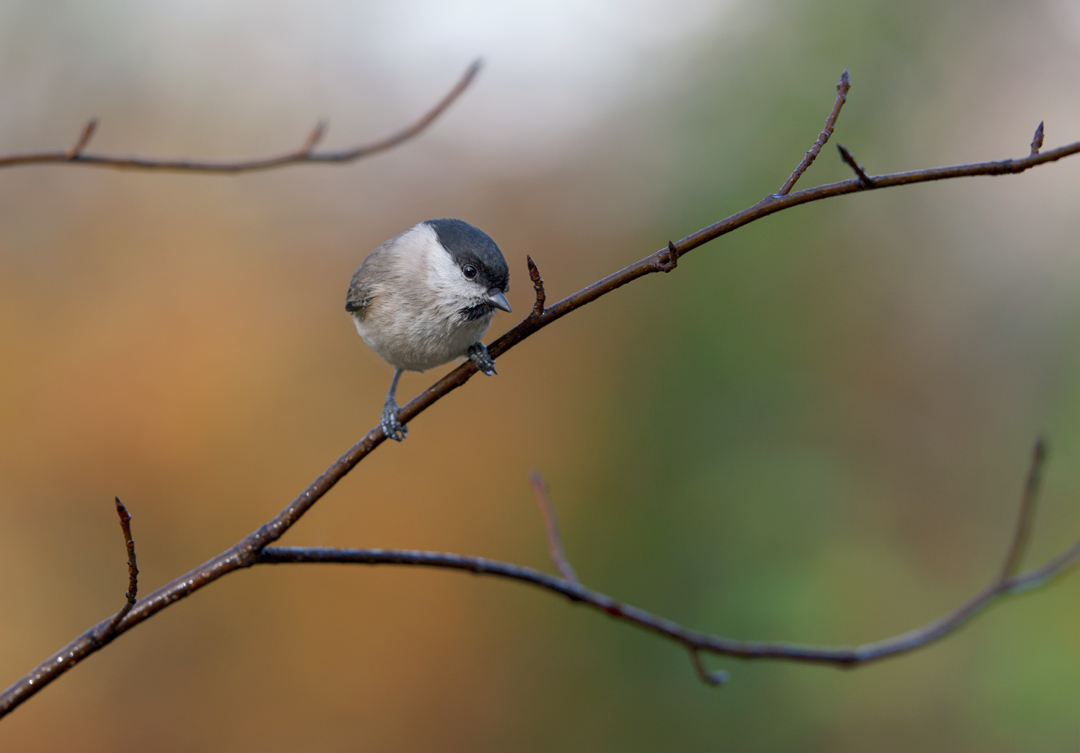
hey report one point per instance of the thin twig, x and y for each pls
(84, 139)
(314, 138)
(538, 286)
(133, 568)
(551, 527)
(305, 154)
(841, 97)
(1027, 511)
(246, 552)
(1037, 142)
(719, 677)
(864, 179)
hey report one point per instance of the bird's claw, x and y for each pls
(391, 424)
(478, 354)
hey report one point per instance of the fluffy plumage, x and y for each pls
(426, 297)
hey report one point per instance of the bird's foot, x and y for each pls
(391, 424)
(478, 354)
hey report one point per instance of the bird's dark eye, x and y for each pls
(469, 271)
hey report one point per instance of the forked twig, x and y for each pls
(305, 154)
(697, 642)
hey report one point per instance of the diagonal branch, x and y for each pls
(84, 139)
(305, 154)
(247, 552)
(842, 89)
(866, 180)
(551, 527)
(1027, 511)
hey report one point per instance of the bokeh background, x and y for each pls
(815, 430)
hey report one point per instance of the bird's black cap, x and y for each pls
(469, 245)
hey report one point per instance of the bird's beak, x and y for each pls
(498, 300)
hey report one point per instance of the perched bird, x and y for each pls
(426, 297)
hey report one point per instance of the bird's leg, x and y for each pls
(391, 424)
(478, 354)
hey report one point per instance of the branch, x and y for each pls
(133, 568)
(84, 139)
(305, 154)
(842, 89)
(697, 642)
(248, 551)
(551, 527)
(1027, 512)
(864, 179)
(538, 287)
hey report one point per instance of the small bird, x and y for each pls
(426, 297)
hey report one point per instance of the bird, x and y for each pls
(426, 297)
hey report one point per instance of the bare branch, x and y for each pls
(841, 97)
(538, 286)
(305, 154)
(248, 551)
(314, 138)
(844, 656)
(551, 527)
(1027, 511)
(864, 179)
(84, 139)
(133, 568)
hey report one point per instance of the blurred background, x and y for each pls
(816, 430)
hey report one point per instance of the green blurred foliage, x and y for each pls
(815, 430)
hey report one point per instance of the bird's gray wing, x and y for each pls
(363, 286)
(360, 290)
